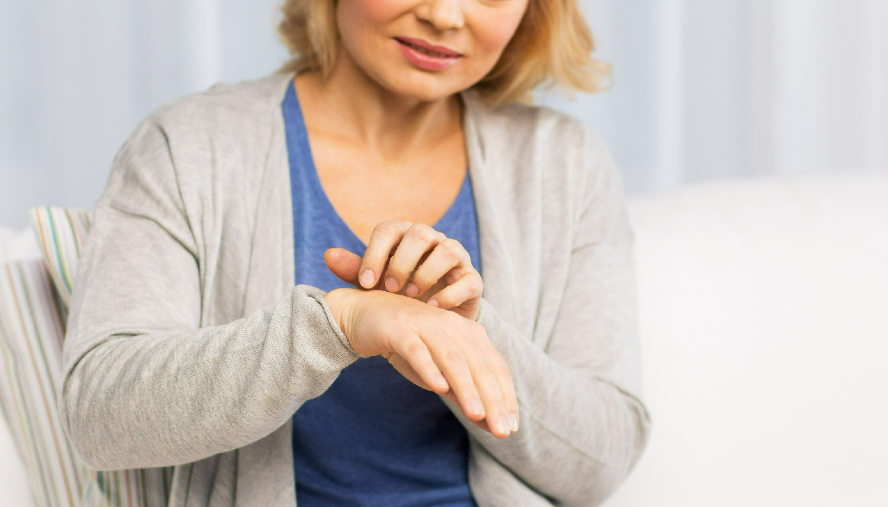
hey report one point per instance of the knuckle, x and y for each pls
(502, 371)
(453, 355)
(386, 229)
(483, 368)
(414, 348)
(422, 233)
(476, 285)
(452, 248)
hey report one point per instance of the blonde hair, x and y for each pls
(552, 46)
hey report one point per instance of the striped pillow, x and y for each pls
(61, 233)
(31, 347)
(34, 299)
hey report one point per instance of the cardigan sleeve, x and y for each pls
(144, 384)
(581, 412)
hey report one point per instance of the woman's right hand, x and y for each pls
(435, 349)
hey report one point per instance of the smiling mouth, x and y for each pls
(426, 51)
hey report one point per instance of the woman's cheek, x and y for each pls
(496, 30)
(375, 12)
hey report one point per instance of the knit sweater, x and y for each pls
(189, 346)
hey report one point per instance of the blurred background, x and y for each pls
(701, 89)
(752, 136)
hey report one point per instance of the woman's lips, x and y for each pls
(427, 56)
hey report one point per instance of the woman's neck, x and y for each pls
(357, 108)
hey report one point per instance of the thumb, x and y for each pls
(343, 264)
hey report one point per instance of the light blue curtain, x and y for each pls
(76, 77)
(702, 89)
(730, 88)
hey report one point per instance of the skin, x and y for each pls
(417, 295)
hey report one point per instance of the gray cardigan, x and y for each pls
(188, 344)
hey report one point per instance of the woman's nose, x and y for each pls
(442, 14)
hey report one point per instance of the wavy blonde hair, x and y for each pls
(552, 46)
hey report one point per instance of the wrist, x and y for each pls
(341, 303)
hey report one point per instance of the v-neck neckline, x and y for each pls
(302, 141)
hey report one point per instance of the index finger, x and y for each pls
(385, 238)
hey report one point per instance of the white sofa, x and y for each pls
(764, 320)
(764, 324)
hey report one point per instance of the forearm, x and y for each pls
(148, 398)
(579, 435)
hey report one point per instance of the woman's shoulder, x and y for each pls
(190, 145)
(526, 142)
(226, 122)
(225, 104)
(519, 125)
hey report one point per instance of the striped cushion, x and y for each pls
(61, 232)
(31, 348)
(34, 298)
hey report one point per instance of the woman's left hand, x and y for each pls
(414, 260)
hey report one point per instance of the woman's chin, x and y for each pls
(423, 90)
(419, 85)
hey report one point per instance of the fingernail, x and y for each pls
(513, 421)
(475, 407)
(441, 382)
(367, 279)
(412, 290)
(391, 285)
(502, 425)
(434, 302)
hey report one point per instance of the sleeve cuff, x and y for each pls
(318, 295)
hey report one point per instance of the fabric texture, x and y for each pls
(189, 346)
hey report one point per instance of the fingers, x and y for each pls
(416, 242)
(453, 363)
(448, 256)
(467, 288)
(481, 424)
(411, 259)
(493, 393)
(416, 354)
(385, 238)
(471, 369)
(438, 350)
(507, 386)
(344, 264)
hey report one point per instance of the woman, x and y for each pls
(208, 334)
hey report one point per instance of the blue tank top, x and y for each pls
(373, 438)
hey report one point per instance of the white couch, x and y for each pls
(764, 319)
(764, 323)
